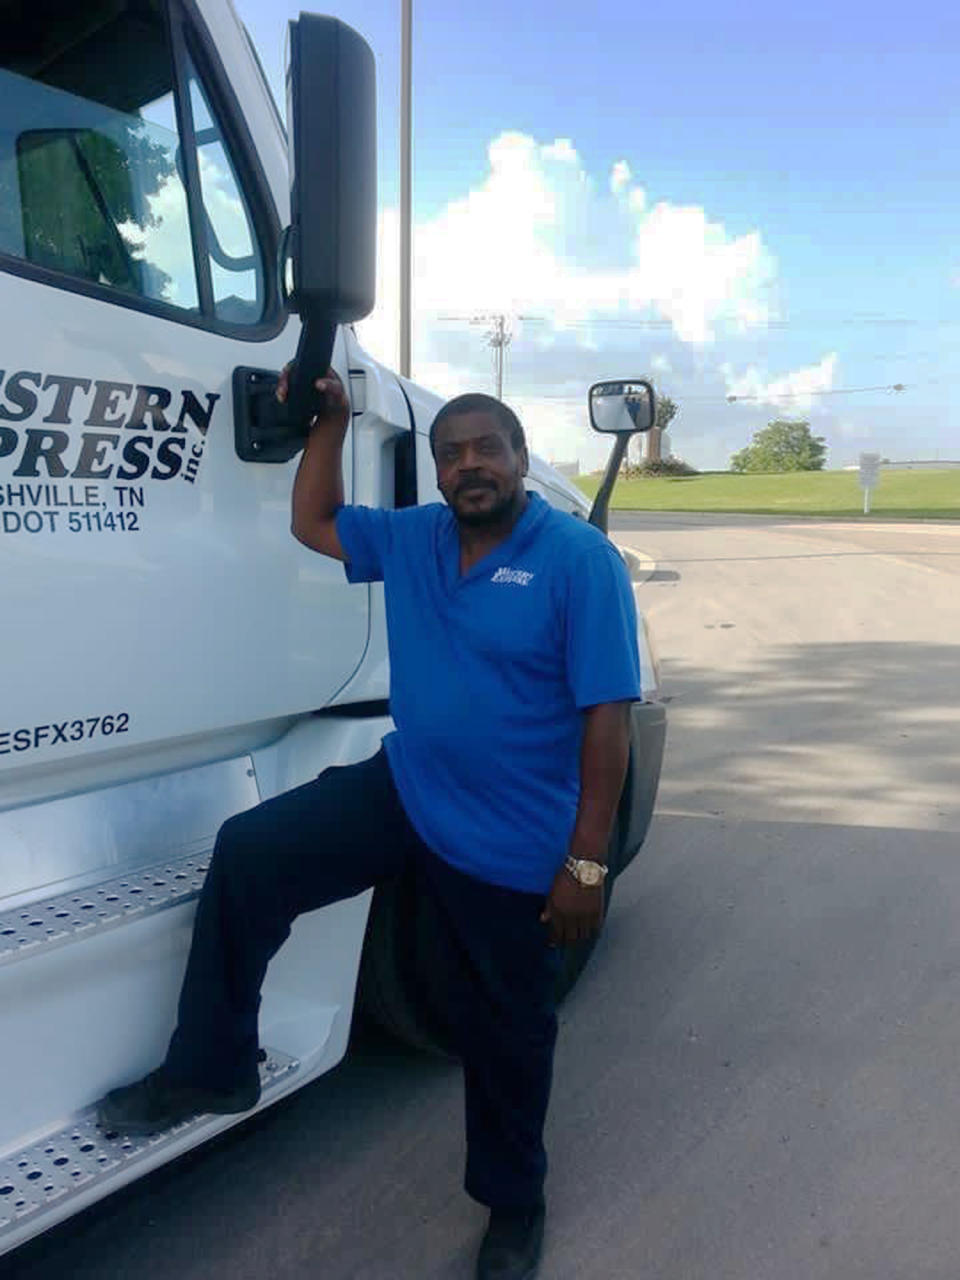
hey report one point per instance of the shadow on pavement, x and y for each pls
(779, 1009)
(757, 1074)
(865, 732)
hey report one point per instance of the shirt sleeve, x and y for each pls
(365, 534)
(602, 655)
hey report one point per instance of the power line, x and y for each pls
(499, 338)
(764, 398)
(799, 322)
(832, 391)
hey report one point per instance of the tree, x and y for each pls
(667, 410)
(784, 445)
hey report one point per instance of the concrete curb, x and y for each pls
(640, 566)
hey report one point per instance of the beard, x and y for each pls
(492, 515)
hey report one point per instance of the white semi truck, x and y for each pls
(169, 655)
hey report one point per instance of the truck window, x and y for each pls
(236, 268)
(94, 173)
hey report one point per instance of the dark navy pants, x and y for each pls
(327, 841)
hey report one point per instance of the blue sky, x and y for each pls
(734, 199)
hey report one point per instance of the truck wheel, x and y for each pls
(396, 990)
(396, 967)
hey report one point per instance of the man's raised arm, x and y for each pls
(318, 488)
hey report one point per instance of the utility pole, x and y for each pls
(498, 336)
(406, 183)
(499, 339)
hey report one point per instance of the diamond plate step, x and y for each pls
(68, 1162)
(68, 917)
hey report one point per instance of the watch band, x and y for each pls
(586, 872)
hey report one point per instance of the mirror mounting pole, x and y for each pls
(600, 510)
(314, 351)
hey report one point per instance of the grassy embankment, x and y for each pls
(934, 495)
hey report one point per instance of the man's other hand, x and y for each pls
(334, 408)
(573, 911)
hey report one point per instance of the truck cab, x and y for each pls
(169, 654)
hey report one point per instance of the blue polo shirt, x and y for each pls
(489, 674)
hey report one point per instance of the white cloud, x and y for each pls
(166, 243)
(620, 176)
(692, 273)
(599, 267)
(637, 199)
(561, 149)
(380, 332)
(447, 380)
(223, 203)
(848, 430)
(536, 236)
(791, 391)
(559, 431)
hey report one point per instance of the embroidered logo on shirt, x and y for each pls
(519, 577)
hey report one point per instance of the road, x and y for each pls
(758, 1075)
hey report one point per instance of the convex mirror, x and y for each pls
(622, 408)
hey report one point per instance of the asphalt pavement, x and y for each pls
(758, 1074)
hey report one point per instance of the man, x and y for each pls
(514, 660)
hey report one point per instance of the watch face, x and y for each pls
(590, 873)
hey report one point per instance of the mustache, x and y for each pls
(467, 485)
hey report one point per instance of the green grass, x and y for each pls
(907, 494)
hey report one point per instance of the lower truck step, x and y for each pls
(40, 1180)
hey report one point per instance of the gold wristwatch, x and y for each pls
(590, 874)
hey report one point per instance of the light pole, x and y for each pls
(406, 176)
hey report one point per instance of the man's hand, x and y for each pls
(573, 911)
(334, 408)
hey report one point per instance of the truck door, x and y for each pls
(152, 591)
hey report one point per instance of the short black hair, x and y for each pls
(477, 402)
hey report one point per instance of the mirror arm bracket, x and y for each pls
(599, 512)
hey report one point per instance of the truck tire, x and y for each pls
(396, 990)
(396, 967)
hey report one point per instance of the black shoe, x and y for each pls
(511, 1247)
(156, 1103)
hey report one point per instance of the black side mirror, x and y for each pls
(622, 409)
(328, 255)
(332, 115)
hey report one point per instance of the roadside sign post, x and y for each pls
(869, 475)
